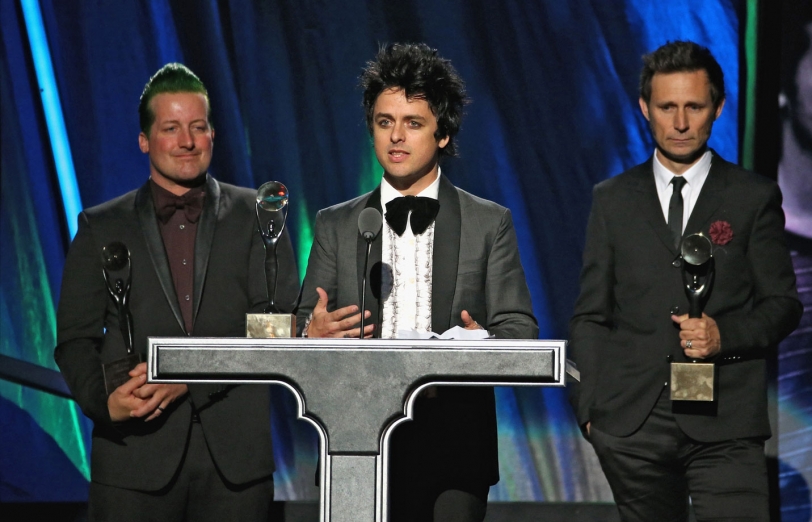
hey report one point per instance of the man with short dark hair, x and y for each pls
(630, 320)
(443, 258)
(172, 451)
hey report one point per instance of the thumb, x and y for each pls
(321, 305)
(467, 320)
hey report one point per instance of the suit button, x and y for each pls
(675, 310)
(676, 263)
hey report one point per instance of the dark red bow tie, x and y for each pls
(423, 210)
(191, 203)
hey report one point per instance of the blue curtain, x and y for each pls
(554, 89)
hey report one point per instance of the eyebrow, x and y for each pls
(407, 117)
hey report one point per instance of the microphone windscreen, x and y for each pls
(369, 223)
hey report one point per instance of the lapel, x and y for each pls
(709, 198)
(373, 293)
(148, 221)
(648, 204)
(205, 239)
(445, 256)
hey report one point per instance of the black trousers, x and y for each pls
(655, 471)
(422, 486)
(196, 493)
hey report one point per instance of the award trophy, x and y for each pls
(694, 381)
(272, 200)
(115, 264)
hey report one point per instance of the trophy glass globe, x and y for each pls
(272, 196)
(115, 256)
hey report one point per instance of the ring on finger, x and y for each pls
(160, 408)
(689, 343)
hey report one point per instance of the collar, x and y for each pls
(693, 176)
(388, 192)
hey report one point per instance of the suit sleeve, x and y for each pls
(510, 309)
(592, 320)
(321, 272)
(776, 309)
(80, 324)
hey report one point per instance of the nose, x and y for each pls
(397, 134)
(681, 121)
(185, 139)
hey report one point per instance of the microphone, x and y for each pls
(369, 225)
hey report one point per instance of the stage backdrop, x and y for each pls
(554, 90)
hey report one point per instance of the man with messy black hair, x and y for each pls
(443, 258)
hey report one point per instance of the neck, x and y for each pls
(178, 188)
(678, 166)
(412, 186)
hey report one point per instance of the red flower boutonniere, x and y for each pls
(720, 232)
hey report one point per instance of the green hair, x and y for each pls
(171, 78)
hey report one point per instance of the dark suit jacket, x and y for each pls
(229, 282)
(476, 267)
(622, 336)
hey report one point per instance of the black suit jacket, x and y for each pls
(622, 337)
(476, 267)
(229, 282)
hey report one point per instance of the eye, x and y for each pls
(414, 124)
(383, 122)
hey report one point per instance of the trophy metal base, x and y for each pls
(270, 326)
(693, 381)
(117, 372)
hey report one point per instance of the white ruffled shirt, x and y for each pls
(407, 269)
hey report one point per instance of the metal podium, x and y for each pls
(356, 392)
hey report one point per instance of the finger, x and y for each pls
(467, 320)
(141, 368)
(146, 391)
(132, 384)
(158, 412)
(679, 318)
(341, 314)
(148, 407)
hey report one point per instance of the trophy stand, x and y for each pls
(694, 381)
(272, 201)
(116, 262)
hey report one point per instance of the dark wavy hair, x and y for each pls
(171, 78)
(422, 74)
(682, 56)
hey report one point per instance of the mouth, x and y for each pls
(398, 155)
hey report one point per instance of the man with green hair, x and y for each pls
(172, 451)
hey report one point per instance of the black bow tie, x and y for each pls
(424, 210)
(191, 203)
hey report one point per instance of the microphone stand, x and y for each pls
(364, 285)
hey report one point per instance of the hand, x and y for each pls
(122, 401)
(588, 427)
(338, 323)
(703, 333)
(468, 322)
(155, 398)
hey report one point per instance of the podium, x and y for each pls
(355, 392)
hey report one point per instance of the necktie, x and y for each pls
(675, 209)
(424, 210)
(191, 203)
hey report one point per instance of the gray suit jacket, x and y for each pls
(476, 267)
(229, 282)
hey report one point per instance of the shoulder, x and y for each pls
(626, 180)
(114, 208)
(471, 203)
(346, 208)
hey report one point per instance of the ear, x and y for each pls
(719, 109)
(143, 143)
(443, 142)
(644, 108)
